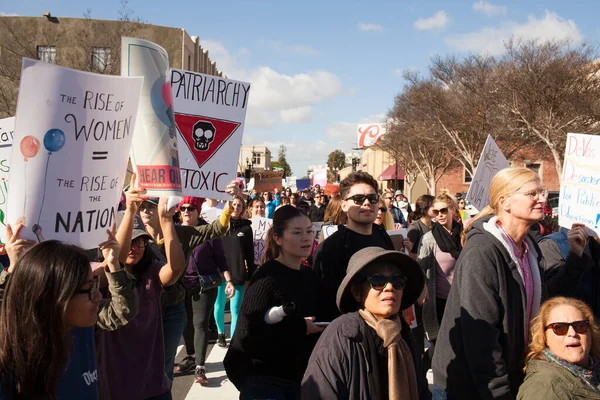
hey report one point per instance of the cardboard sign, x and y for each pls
(490, 162)
(73, 132)
(7, 128)
(369, 134)
(268, 181)
(317, 226)
(154, 154)
(302, 184)
(209, 114)
(331, 189)
(320, 177)
(260, 227)
(579, 200)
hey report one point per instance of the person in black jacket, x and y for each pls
(275, 335)
(317, 210)
(369, 353)
(239, 251)
(359, 201)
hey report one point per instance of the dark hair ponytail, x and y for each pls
(280, 220)
(422, 204)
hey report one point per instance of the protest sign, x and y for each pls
(267, 181)
(317, 226)
(154, 154)
(260, 227)
(579, 200)
(320, 177)
(331, 189)
(73, 132)
(7, 128)
(490, 162)
(302, 184)
(369, 134)
(327, 231)
(398, 235)
(209, 114)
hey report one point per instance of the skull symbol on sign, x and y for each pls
(203, 134)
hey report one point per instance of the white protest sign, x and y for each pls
(154, 154)
(290, 182)
(320, 177)
(74, 132)
(579, 200)
(328, 230)
(316, 227)
(260, 227)
(209, 114)
(490, 162)
(7, 128)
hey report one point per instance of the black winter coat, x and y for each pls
(239, 251)
(349, 362)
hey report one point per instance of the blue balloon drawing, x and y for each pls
(54, 140)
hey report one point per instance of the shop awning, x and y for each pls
(390, 173)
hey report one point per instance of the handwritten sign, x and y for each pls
(7, 127)
(73, 132)
(260, 227)
(579, 200)
(317, 226)
(154, 152)
(490, 162)
(267, 181)
(369, 134)
(209, 114)
(320, 177)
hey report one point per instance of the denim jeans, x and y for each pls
(263, 388)
(174, 320)
(438, 393)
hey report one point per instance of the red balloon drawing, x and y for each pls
(29, 146)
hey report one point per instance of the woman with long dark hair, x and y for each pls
(50, 307)
(275, 335)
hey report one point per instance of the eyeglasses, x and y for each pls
(360, 198)
(442, 211)
(92, 291)
(561, 328)
(139, 243)
(382, 209)
(379, 282)
(535, 194)
(147, 206)
(188, 209)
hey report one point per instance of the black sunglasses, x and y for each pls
(561, 328)
(91, 292)
(360, 198)
(442, 211)
(188, 208)
(382, 209)
(379, 282)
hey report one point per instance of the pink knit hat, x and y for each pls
(192, 201)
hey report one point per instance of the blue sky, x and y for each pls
(318, 68)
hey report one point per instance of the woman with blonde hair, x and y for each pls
(496, 291)
(384, 217)
(563, 354)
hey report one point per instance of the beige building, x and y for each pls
(85, 44)
(256, 158)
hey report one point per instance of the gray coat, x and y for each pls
(429, 265)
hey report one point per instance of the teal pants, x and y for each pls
(234, 306)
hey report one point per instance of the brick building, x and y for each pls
(85, 44)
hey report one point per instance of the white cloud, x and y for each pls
(299, 49)
(489, 9)
(364, 27)
(398, 72)
(439, 20)
(295, 115)
(276, 97)
(491, 40)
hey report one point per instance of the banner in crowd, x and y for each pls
(73, 132)
(320, 177)
(290, 182)
(490, 162)
(209, 114)
(331, 189)
(369, 134)
(7, 128)
(579, 200)
(302, 184)
(268, 181)
(154, 154)
(260, 227)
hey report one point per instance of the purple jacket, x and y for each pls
(207, 258)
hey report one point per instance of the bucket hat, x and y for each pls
(415, 279)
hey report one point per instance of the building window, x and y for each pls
(468, 177)
(189, 63)
(100, 58)
(535, 167)
(255, 158)
(47, 54)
